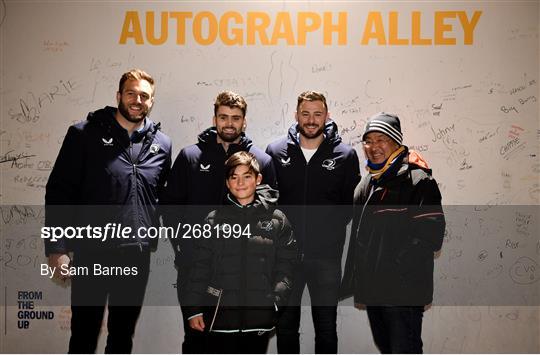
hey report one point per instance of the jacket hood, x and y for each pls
(265, 197)
(416, 159)
(106, 118)
(209, 137)
(413, 160)
(331, 135)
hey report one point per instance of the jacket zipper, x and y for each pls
(135, 198)
(223, 187)
(304, 208)
(147, 140)
(304, 202)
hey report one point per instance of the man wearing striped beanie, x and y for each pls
(382, 143)
(398, 224)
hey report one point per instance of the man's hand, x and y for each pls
(57, 260)
(197, 323)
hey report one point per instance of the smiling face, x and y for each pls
(136, 100)
(311, 117)
(229, 122)
(378, 147)
(242, 184)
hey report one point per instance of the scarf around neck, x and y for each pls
(377, 170)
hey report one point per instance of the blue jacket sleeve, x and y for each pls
(352, 179)
(64, 186)
(269, 174)
(175, 194)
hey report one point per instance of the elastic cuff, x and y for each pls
(195, 315)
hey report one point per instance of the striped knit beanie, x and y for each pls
(385, 123)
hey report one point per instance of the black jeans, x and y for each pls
(322, 277)
(396, 329)
(124, 295)
(195, 342)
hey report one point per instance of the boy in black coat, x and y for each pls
(245, 265)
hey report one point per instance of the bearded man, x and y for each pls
(197, 185)
(316, 175)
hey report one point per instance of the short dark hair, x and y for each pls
(241, 158)
(232, 100)
(311, 96)
(135, 74)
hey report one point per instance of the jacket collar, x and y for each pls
(331, 135)
(208, 137)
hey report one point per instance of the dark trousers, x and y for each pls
(322, 277)
(124, 295)
(238, 343)
(396, 329)
(195, 342)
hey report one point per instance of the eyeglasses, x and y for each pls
(376, 142)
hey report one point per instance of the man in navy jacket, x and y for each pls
(197, 185)
(316, 175)
(109, 171)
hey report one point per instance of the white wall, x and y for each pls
(471, 110)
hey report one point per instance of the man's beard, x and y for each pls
(310, 135)
(229, 138)
(134, 119)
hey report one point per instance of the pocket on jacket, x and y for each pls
(415, 262)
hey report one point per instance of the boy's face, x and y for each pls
(242, 184)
